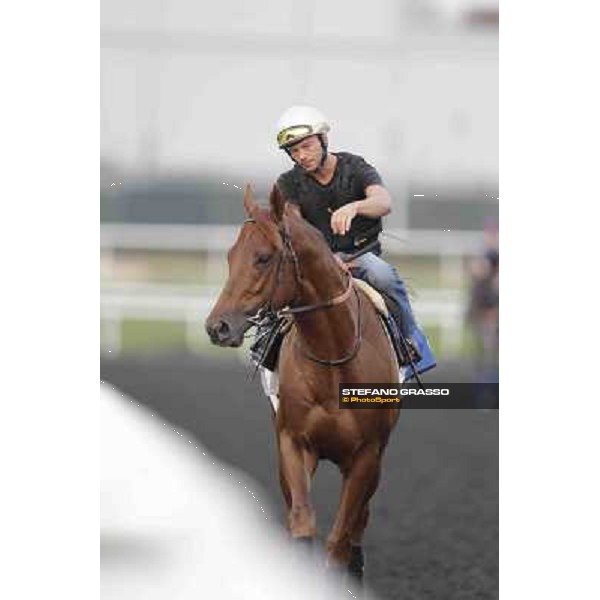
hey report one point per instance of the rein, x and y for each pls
(357, 335)
(291, 310)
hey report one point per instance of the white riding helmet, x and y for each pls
(299, 122)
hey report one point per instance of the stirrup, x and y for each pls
(415, 355)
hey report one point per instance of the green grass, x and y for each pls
(153, 337)
(140, 336)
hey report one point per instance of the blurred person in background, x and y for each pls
(483, 313)
(344, 197)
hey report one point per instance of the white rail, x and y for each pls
(191, 305)
(218, 238)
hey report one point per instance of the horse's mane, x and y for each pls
(307, 229)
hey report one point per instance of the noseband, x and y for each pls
(291, 310)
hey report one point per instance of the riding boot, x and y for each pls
(416, 343)
(427, 360)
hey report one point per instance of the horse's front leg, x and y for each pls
(357, 558)
(296, 467)
(360, 482)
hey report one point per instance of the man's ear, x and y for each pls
(277, 202)
(250, 204)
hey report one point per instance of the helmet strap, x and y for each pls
(324, 147)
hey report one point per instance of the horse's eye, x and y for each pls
(263, 259)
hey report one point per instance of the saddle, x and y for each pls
(272, 330)
(384, 306)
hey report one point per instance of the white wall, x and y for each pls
(186, 87)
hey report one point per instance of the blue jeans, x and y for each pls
(384, 278)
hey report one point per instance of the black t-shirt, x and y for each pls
(317, 202)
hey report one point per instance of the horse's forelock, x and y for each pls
(300, 230)
(263, 220)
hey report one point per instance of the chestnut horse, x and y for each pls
(280, 261)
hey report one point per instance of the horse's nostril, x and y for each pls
(219, 332)
(222, 329)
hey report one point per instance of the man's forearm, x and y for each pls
(374, 206)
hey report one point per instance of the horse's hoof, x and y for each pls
(356, 565)
(305, 547)
(305, 542)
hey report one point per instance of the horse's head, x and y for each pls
(263, 270)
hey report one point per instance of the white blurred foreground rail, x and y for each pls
(177, 523)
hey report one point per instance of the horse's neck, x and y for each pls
(326, 332)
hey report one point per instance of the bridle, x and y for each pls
(267, 308)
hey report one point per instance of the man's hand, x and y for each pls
(342, 218)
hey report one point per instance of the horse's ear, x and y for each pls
(277, 202)
(250, 204)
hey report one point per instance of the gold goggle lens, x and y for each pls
(289, 134)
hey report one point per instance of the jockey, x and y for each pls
(343, 196)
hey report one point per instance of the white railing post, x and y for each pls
(112, 331)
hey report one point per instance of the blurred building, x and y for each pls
(412, 85)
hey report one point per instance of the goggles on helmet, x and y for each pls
(292, 134)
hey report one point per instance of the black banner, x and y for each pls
(412, 395)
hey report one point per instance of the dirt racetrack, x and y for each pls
(433, 531)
